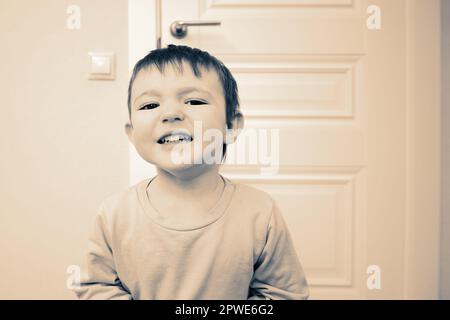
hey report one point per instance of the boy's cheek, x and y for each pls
(143, 140)
(143, 128)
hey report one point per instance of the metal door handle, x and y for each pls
(179, 28)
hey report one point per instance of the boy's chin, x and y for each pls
(171, 166)
(186, 168)
(178, 163)
(185, 171)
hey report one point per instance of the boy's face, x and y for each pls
(168, 101)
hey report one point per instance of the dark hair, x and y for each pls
(176, 55)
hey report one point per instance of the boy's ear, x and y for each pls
(237, 126)
(238, 121)
(129, 131)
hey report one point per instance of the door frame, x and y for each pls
(423, 149)
(423, 135)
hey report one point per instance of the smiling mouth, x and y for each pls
(174, 138)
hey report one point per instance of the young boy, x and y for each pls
(188, 233)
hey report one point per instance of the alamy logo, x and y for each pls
(73, 21)
(74, 279)
(374, 279)
(374, 20)
(254, 147)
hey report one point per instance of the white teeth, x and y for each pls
(175, 139)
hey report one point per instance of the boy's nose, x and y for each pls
(172, 116)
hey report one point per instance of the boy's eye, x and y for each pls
(195, 102)
(149, 106)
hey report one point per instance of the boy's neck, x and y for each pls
(200, 182)
(188, 200)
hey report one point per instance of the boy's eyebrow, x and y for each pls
(181, 92)
(150, 92)
(186, 90)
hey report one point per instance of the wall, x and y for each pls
(63, 147)
(445, 219)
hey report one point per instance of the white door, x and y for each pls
(335, 91)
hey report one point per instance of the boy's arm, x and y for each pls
(99, 279)
(278, 274)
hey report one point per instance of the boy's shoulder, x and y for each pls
(253, 199)
(122, 200)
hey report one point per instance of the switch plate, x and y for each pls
(102, 66)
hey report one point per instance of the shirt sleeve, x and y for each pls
(278, 274)
(99, 279)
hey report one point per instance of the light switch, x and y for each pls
(102, 66)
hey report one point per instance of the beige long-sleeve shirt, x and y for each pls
(243, 250)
